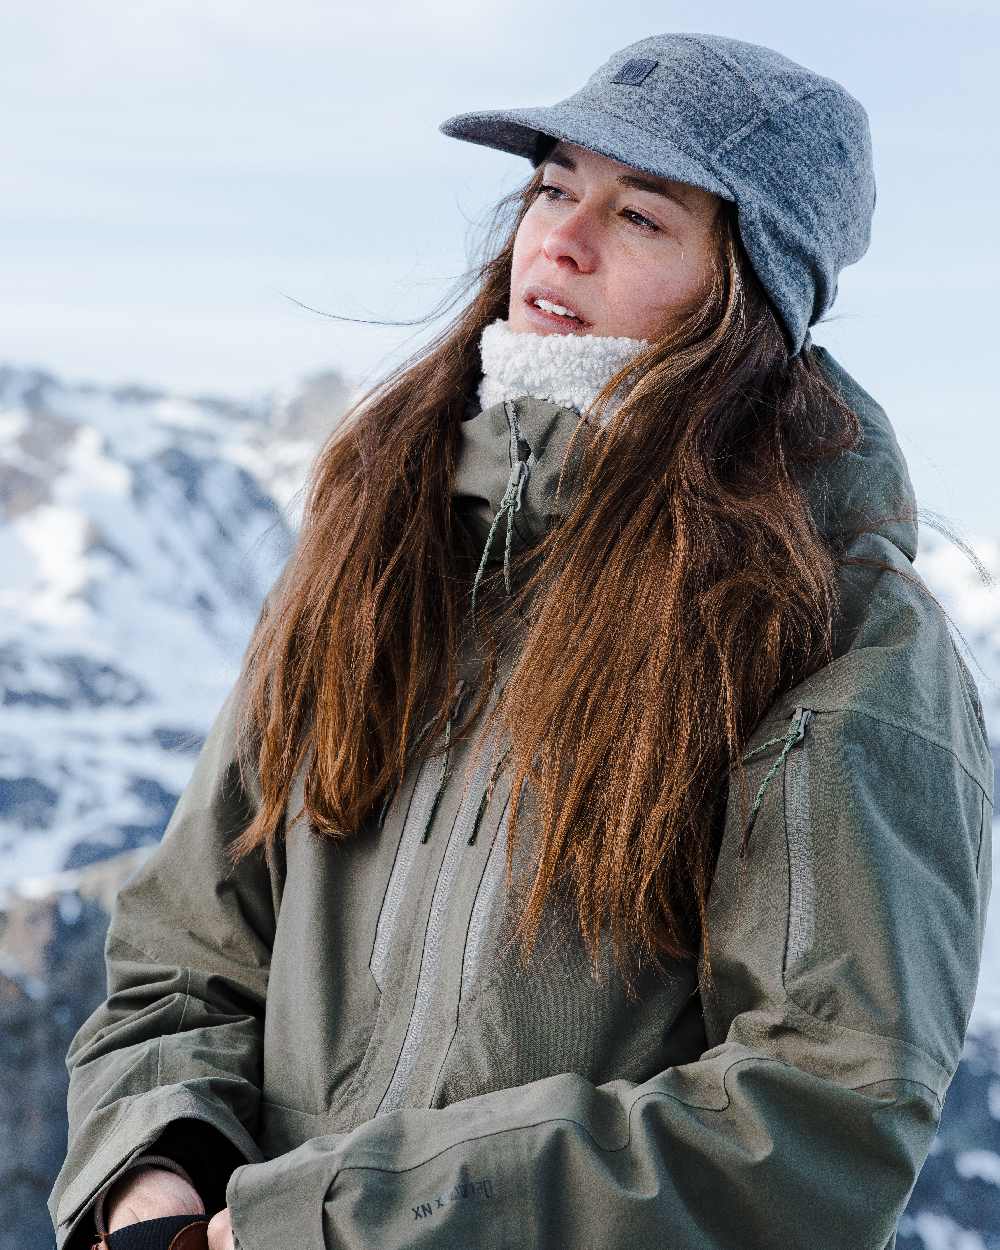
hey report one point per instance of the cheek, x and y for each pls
(527, 245)
(527, 242)
(660, 292)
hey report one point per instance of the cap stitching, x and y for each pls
(741, 73)
(761, 118)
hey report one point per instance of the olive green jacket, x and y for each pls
(351, 1036)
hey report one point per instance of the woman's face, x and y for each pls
(627, 253)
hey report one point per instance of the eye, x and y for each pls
(642, 222)
(549, 192)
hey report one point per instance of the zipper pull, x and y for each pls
(486, 796)
(458, 698)
(796, 732)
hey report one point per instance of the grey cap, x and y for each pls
(790, 147)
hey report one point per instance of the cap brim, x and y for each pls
(517, 131)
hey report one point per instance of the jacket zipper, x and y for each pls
(484, 907)
(424, 792)
(798, 832)
(431, 959)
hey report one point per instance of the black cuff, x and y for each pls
(151, 1234)
(207, 1157)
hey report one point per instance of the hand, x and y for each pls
(148, 1193)
(220, 1231)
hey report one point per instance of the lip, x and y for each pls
(553, 319)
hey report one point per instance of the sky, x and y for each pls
(177, 178)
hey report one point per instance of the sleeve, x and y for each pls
(170, 1062)
(847, 939)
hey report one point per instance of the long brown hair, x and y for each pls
(684, 590)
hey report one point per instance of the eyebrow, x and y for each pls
(635, 181)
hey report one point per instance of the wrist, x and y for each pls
(143, 1161)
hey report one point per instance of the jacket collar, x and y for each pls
(868, 486)
(534, 431)
(568, 369)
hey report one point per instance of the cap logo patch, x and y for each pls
(633, 72)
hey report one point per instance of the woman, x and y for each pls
(595, 850)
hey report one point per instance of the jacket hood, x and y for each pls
(867, 487)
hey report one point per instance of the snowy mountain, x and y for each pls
(956, 1202)
(139, 532)
(967, 584)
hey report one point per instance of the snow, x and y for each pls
(967, 585)
(18, 567)
(13, 422)
(984, 1164)
(131, 584)
(938, 1232)
(70, 907)
(986, 1010)
(54, 540)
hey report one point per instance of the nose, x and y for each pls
(572, 240)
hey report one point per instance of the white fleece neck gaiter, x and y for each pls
(568, 369)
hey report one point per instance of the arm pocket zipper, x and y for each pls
(795, 733)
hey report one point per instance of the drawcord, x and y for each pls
(795, 733)
(509, 503)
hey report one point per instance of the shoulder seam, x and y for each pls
(906, 728)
